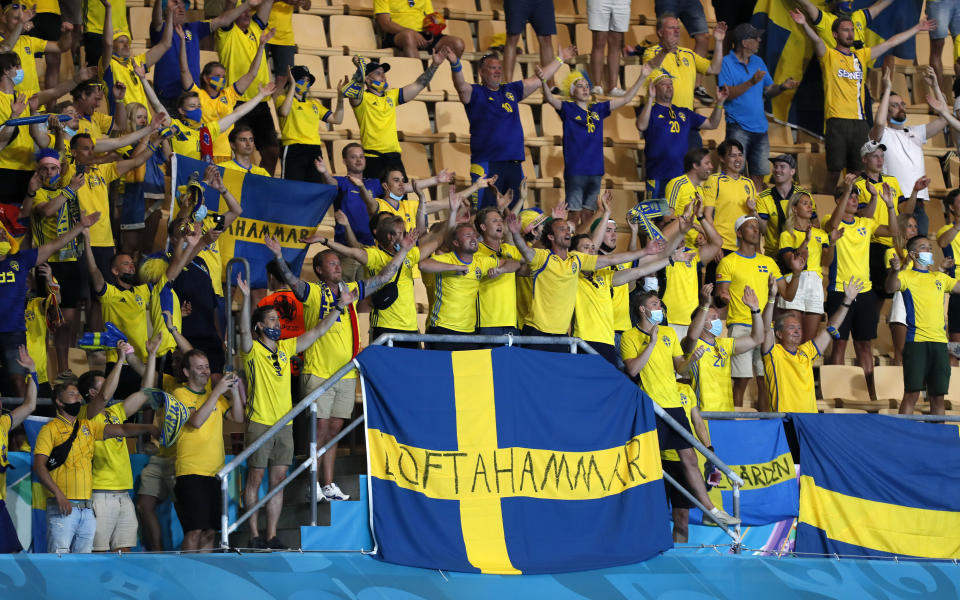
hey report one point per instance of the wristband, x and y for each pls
(31, 194)
(704, 308)
(671, 260)
(771, 301)
(33, 375)
(456, 67)
(755, 311)
(559, 60)
(833, 332)
(846, 305)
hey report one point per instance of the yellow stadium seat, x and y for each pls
(354, 35)
(846, 411)
(443, 80)
(324, 8)
(843, 382)
(349, 124)
(812, 171)
(935, 172)
(583, 38)
(640, 35)
(415, 160)
(621, 202)
(620, 165)
(451, 117)
(565, 11)
(405, 70)
(551, 163)
(139, 21)
(620, 128)
(530, 136)
(461, 9)
(208, 56)
(461, 29)
(355, 7)
(923, 51)
(646, 10)
(551, 124)
(485, 32)
(454, 157)
(311, 36)
(413, 123)
(550, 197)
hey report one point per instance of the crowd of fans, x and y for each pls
(83, 246)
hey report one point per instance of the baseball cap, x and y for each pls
(741, 220)
(302, 72)
(746, 31)
(785, 158)
(871, 146)
(373, 65)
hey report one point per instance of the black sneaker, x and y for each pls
(276, 544)
(258, 543)
(701, 94)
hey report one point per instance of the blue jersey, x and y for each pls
(666, 140)
(351, 203)
(583, 137)
(495, 130)
(13, 289)
(746, 110)
(166, 78)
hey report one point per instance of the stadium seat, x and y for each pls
(640, 35)
(208, 56)
(583, 38)
(550, 197)
(889, 384)
(712, 137)
(551, 124)
(461, 29)
(530, 136)
(415, 160)
(620, 202)
(324, 8)
(363, 8)
(923, 51)
(462, 9)
(843, 382)
(455, 157)
(354, 35)
(646, 10)
(812, 171)
(938, 186)
(405, 70)
(413, 124)
(565, 11)
(451, 119)
(551, 163)
(139, 20)
(620, 129)
(311, 36)
(485, 32)
(847, 411)
(620, 165)
(349, 125)
(320, 87)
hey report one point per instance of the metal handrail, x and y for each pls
(730, 416)
(228, 299)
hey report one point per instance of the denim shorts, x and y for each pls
(582, 191)
(70, 534)
(690, 13)
(947, 15)
(756, 148)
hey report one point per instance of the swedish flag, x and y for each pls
(878, 486)
(279, 207)
(510, 461)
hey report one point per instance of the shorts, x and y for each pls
(10, 343)
(582, 191)
(674, 468)
(73, 533)
(747, 364)
(276, 452)
(953, 314)
(261, 121)
(157, 478)
(376, 332)
(198, 502)
(9, 542)
(133, 207)
(510, 176)
(337, 402)
(449, 346)
(298, 162)
(379, 163)
(74, 280)
(607, 351)
(72, 11)
(93, 48)
(103, 256)
(926, 366)
(116, 520)
(388, 41)
(539, 13)
(669, 438)
(843, 139)
(809, 298)
(690, 13)
(15, 181)
(898, 311)
(47, 26)
(756, 148)
(862, 317)
(283, 58)
(947, 15)
(608, 15)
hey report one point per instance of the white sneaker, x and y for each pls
(617, 92)
(598, 90)
(320, 496)
(726, 519)
(332, 492)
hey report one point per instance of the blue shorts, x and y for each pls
(538, 13)
(133, 211)
(582, 191)
(947, 15)
(756, 148)
(510, 176)
(9, 542)
(690, 13)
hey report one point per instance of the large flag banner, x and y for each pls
(510, 461)
(757, 451)
(282, 208)
(878, 486)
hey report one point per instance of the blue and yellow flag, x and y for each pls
(510, 461)
(282, 208)
(757, 451)
(878, 486)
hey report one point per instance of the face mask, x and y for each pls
(396, 246)
(716, 327)
(925, 258)
(18, 77)
(897, 121)
(72, 409)
(218, 83)
(69, 131)
(272, 332)
(650, 284)
(379, 86)
(194, 115)
(302, 87)
(656, 316)
(128, 278)
(396, 197)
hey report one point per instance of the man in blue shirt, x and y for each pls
(666, 129)
(496, 135)
(740, 72)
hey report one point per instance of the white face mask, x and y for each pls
(656, 316)
(925, 258)
(650, 284)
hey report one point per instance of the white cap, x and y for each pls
(741, 220)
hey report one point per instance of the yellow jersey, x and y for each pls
(688, 400)
(680, 192)
(852, 255)
(189, 145)
(770, 205)
(711, 374)
(127, 309)
(555, 283)
(47, 6)
(164, 298)
(881, 214)
(923, 293)
(93, 20)
(94, 196)
(29, 49)
(402, 314)
(75, 476)
(18, 153)
(844, 76)
(200, 450)
(498, 296)
(683, 289)
(456, 295)
(658, 378)
(951, 251)
(335, 348)
(683, 66)
(48, 229)
(233, 165)
(861, 18)
(214, 109)
(97, 126)
(791, 240)
(405, 13)
(740, 271)
(237, 49)
(268, 381)
(281, 19)
(35, 316)
(593, 312)
(377, 118)
(728, 197)
(621, 301)
(5, 422)
(212, 257)
(888, 258)
(118, 70)
(111, 457)
(405, 209)
(790, 378)
(524, 298)
(302, 123)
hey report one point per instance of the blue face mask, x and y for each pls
(925, 258)
(272, 332)
(194, 115)
(716, 327)
(656, 316)
(218, 83)
(18, 77)
(379, 86)
(396, 246)
(396, 197)
(897, 121)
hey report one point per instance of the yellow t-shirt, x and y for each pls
(127, 309)
(302, 123)
(47, 6)
(75, 476)
(680, 192)
(5, 422)
(212, 257)
(281, 19)
(35, 316)
(233, 165)
(593, 314)
(28, 48)
(402, 314)
(683, 66)
(95, 14)
(711, 374)
(377, 118)
(683, 288)
(824, 28)
(190, 146)
(94, 196)
(621, 301)
(268, 381)
(158, 292)
(335, 348)
(844, 76)
(455, 295)
(200, 450)
(728, 197)
(214, 109)
(237, 49)
(658, 377)
(18, 153)
(767, 202)
(111, 457)
(405, 209)
(498, 296)
(791, 240)
(790, 378)
(97, 126)
(524, 298)
(740, 271)
(923, 293)
(852, 255)
(117, 70)
(881, 214)
(688, 399)
(555, 283)
(404, 13)
(45, 228)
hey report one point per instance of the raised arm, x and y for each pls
(818, 46)
(883, 107)
(716, 116)
(20, 413)
(633, 366)
(464, 89)
(247, 78)
(719, 33)
(634, 89)
(850, 291)
(241, 111)
(96, 277)
(699, 319)
(372, 284)
(769, 339)
(548, 96)
(892, 282)
(131, 139)
(296, 284)
(158, 108)
(411, 90)
(213, 178)
(643, 119)
(155, 53)
(308, 337)
(186, 77)
(530, 84)
(107, 34)
(746, 343)
(229, 16)
(284, 109)
(246, 339)
(355, 253)
(896, 40)
(46, 251)
(200, 415)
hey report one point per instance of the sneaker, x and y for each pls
(276, 544)
(597, 90)
(258, 543)
(617, 92)
(723, 518)
(954, 348)
(320, 496)
(701, 94)
(332, 492)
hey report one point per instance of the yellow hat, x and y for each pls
(659, 74)
(153, 269)
(530, 219)
(120, 33)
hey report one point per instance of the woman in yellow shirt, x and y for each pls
(897, 319)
